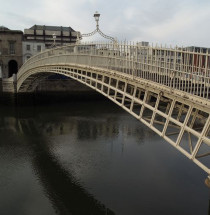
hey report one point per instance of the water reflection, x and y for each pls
(65, 192)
(90, 158)
(86, 128)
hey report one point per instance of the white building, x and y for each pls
(31, 48)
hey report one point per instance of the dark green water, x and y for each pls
(92, 158)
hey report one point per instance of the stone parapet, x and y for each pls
(8, 86)
(1, 87)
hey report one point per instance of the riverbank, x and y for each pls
(52, 91)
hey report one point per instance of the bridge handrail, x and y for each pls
(179, 68)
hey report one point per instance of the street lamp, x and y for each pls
(96, 16)
(54, 38)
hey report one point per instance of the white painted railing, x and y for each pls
(178, 68)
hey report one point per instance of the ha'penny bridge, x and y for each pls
(167, 89)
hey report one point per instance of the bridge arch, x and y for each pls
(183, 124)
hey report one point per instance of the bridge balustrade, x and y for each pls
(177, 68)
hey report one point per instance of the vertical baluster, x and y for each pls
(159, 65)
(151, 64)
(198, 75)
(178, 69)
(125, 51)
(164, 66)
(194, 71)
(186, 70)
(141, 56)
(120, 56)
(156, 68)
(159, 62)
(130, 55)
(168, 66)
(191, 72)
(136, 60)
(155, 63)
(208, 75)
(143, 61)
(126, 67)
(205, 73)
(181, 68)
(145, 67)
(174, 68)
(124, 56)
(147, 63)
(200, 72)
(131, 58)
(161, 74)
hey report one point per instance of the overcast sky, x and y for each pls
(175, 22)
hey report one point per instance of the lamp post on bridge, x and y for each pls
(54, 38)
(96, 16)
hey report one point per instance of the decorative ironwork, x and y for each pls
(97, 30)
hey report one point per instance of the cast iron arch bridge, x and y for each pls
(167, 89)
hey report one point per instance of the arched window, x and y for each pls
(13, 67)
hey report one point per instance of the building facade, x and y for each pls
(10, 51)
(50, 35)
(196, 57)
(31, 48)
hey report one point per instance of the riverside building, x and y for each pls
(50, 35)
(39, 37)
(10, 51)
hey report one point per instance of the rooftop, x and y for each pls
(3, 28)
(51, 28)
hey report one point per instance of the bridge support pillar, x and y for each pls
(9, 85)
(8, 90)
(15, 82)
(1, 86)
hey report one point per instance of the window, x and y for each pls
(12, 48)
(28, 47)
(27, 57)
(39, 48)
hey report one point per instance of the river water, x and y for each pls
(92, 158)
